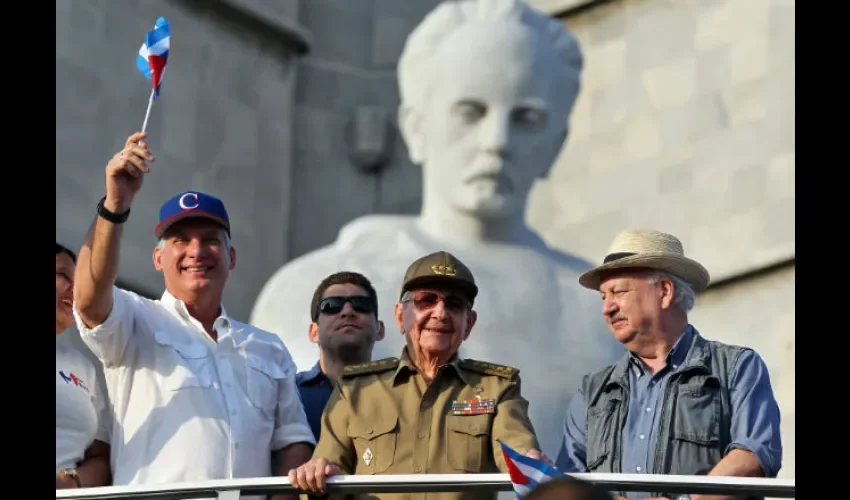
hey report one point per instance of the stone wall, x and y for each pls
(352, 64)
(685, 123)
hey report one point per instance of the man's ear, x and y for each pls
(381, 332)
(471, 318)
(232, 257)
(399, 317)
(157, 258)
(314, 332)
(667, 289)
(410, 124)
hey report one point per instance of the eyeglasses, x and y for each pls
(333, 305)
(424, 301)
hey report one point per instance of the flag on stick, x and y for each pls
(526, 472)
(152, 58)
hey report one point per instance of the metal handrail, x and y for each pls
(231, 489)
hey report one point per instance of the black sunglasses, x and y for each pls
(333, 305)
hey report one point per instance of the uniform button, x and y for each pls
(473, 428)
(417, 469)
(370, 431)
(642, 436)
(637, 468)
(648, 410)
(421, 435)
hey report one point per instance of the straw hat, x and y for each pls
(647, 248)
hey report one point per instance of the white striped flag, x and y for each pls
(526, 472)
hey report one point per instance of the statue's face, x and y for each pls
(494, 121)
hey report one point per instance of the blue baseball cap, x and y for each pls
(191, 204)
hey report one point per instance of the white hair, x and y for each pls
(415, 63)
(683, 292)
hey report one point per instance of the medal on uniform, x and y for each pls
(476, 406)
(367, 456)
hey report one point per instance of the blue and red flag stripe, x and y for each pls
(153, 54)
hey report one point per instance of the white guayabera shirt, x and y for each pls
(187, 408)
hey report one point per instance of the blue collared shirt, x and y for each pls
(755, 415)
(315, 389)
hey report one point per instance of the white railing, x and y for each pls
(231, 489)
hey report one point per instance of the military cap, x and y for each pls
(440, 269)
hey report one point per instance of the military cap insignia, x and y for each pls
(372, 367)
(488, 368)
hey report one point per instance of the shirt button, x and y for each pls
(421, 435)
(417, 469)
(233, 413)
(637, 468)
(642, 436)
(648, 410)
(236, 447)
(370, 431)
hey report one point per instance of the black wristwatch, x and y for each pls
(111, 216)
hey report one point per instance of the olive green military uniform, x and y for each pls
(383, 419)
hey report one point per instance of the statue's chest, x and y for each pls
(519, 291)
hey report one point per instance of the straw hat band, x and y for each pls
(617, 256)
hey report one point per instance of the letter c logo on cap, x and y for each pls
(185, 206)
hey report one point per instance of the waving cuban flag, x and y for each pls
(526, 472)
(153, 55)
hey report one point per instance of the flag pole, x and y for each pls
(148, 112)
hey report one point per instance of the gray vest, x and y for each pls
(695, 420)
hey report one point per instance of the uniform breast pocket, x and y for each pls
(697, 417)
(263, 379)
(467, 441)
(181, 365)
(374, 443)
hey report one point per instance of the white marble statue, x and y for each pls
(487, 87)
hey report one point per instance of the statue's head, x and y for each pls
(487, 87)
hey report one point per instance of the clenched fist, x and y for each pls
(125, 171)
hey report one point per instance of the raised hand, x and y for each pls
(125, 172)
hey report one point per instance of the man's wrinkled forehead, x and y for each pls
(614, 277)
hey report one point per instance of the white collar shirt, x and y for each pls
(188, 408)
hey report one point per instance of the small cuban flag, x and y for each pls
(153, 55)
(526, 472)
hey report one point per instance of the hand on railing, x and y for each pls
(311, 476)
